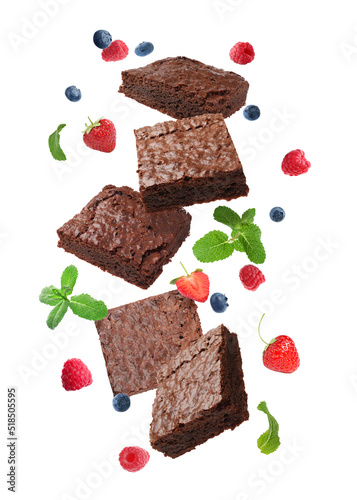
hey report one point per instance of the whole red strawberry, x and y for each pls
(194, 286)
(280, 355)
(295, 163)
(133, 458)
(251, 277)
(100, 135)
(75, 375)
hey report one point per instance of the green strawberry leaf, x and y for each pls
(50, 296)
(248, 216)
(173, 282)
(86, 307)
(227, 216)
(212, 247)
(54, 144)
(249, 238)
(57, 313)
(269, 441)
(68, 279)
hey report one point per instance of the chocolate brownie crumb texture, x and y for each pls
(183, 87)
(115, 233)
(138, 338)
(200, 394)
(188, 161)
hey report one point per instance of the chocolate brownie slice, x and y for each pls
(115, 233)
(200, 394)
(183, 87)
(138, 338)
(188, 161)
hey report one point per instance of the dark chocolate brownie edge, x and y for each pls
(224, 186)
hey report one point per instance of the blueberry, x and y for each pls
(144, 49)
(219, 302)
(277, 214)
(73, 94)
(121, 402)
(102, 39)
(251, 112)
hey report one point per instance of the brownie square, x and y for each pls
(138, 338)
(116, 234)
(200, 394)
(183, 87)
(188, 161)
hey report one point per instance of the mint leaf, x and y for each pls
(238, 245)
(269, 441)
(68, 279)
(49, 296)
(227, 216)
(57, 313)
(88, 308)
(248, 216)
(249, 238)
(213, 246)
(54, 145)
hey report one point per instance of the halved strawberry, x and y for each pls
(194, 286)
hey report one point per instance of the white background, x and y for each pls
(304, 80)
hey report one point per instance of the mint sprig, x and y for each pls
(54, 144)
(82, 305)
(269, 441)
(245, 237)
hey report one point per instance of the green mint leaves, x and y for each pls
(54, 144)
(245, 237)
(82, 305)
(269, 441)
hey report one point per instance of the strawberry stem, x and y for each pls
(184, 269)
(92, 125)
(259, 330)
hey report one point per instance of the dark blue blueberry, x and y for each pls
(73, 94)
(102, 39)
(251, 112)
(121, 402)
(144, 49)
(277, 214)
(219, 302)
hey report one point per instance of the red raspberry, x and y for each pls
(75, 375)
(295, 163)
(133, 458)
(251, 277)
(242, 53)
(116, 51)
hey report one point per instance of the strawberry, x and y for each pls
(100, 135)
(194, 286)
(280, 355)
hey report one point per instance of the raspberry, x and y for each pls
(133, 458)
(116, 51)
(242, 53)
(251, 277)
(75, 375)
(295, 163)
